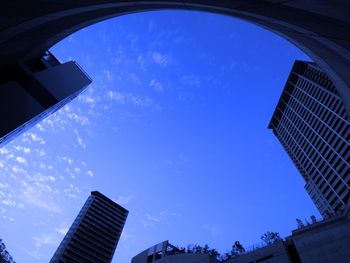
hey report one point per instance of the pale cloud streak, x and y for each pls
(160, 59)
(191, 80)
(156, 85)
(150, 220)
(124, 98)
(123, 200)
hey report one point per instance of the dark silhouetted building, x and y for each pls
(5, 256)
(94, 235)
(311, 123)
(31, 91)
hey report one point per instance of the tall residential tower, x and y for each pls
(312, 124)
(94, 235)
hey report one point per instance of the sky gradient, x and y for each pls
(173, 128)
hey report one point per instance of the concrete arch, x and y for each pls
(321, 28)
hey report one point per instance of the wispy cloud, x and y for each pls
(160, 58)
(156, 85)
(150, 220)
(80, 141)
(123, 200)
(44, 239)
(21, 159)
(124, 98)
(62, 229)
(108, 74)
(90, 173)
(191, 80)
(116, 96)
(39, 195)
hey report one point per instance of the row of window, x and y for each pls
(334, 148)
(319, 77)
(298, 151)
(320, 111)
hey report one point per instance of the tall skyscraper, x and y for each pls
(312, 124)
(94, 235)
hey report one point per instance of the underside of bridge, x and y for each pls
(31, 83)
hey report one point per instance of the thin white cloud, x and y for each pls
(141, 101)
(62, 230)
(21, 160)
(36, 138)
(72, 191)
(191, 80)
(126, 236)
(4, 151)
(39, 195)
(79, 139)
(90, 173)
(107, 74)
(45, 239)
(156, 85)
(81, 119)
(150, 220)
(123, 98)
(9, 202)
(40, 152)
(18, 170)
(141, 62)
(116, 96)
(160, 59)
(87, 99)
(134, 78)
(123, 200)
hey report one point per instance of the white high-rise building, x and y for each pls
(312, 124)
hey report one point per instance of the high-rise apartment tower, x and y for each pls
(312, 124)
(94, 235)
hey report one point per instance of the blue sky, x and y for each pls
(173, 127)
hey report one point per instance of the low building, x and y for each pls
(274, 253)
(167, 253)
(326, 241)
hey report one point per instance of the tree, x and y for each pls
(313, 219)
(299, 223)
(197, 249)
(205, 249)
(237, 249)
(270, 237)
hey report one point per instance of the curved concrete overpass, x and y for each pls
(321, 28)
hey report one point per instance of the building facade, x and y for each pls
(94, 235)
(312, 124)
